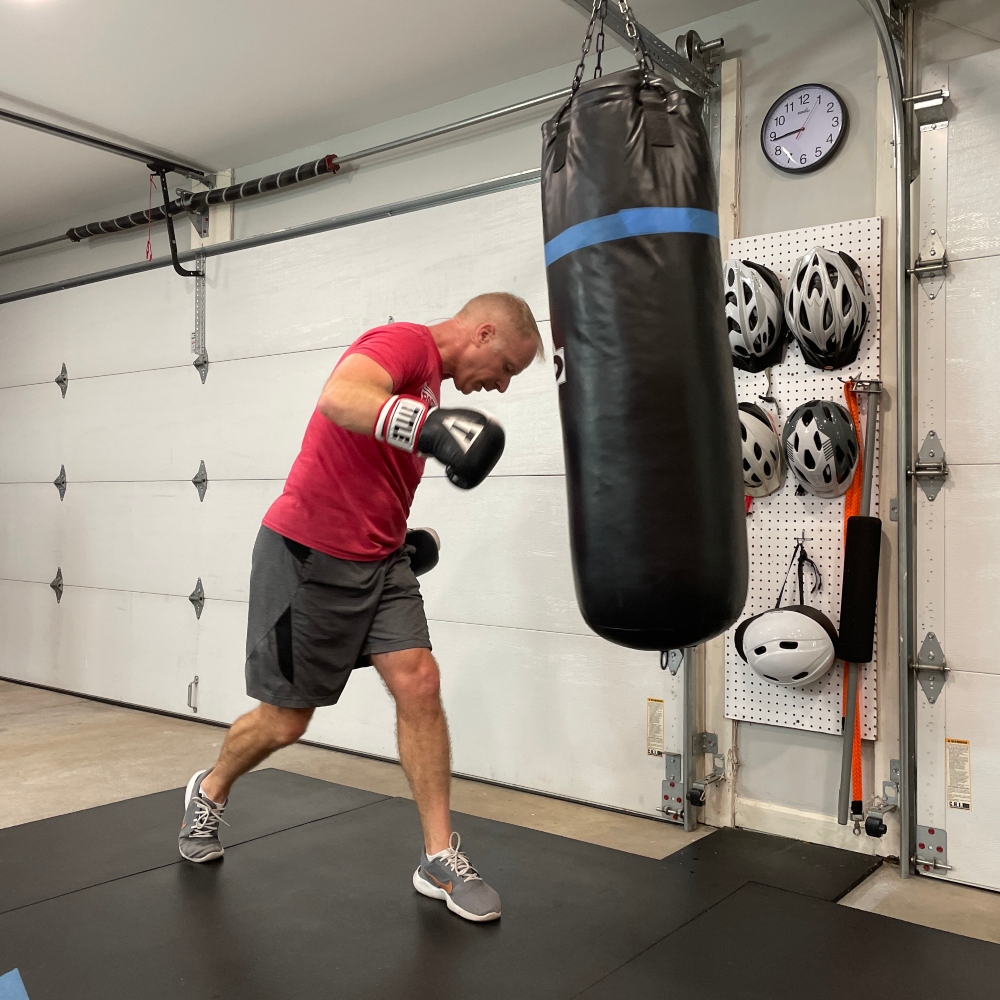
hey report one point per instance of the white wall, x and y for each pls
(781, 43)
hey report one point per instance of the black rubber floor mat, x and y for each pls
(763, 943)
(730, 858)
(70, 852)
(328, 910)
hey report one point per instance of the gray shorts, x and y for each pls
(313, 619)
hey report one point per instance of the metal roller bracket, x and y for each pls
(57, 585)
(931, 469)
(60, 482)
(197, 598)
(62, 380)
(702, 743)
(885, 803)
(932, 849)
(201, 481)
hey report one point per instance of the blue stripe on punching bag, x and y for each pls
(631, 222)
(12, 987)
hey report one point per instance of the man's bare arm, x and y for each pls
(355, 393)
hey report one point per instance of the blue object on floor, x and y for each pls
(11, 987)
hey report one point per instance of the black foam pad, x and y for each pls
(859, 595)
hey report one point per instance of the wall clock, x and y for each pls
(804, 128)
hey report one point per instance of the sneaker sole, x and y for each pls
(433, 892)
(188, 792)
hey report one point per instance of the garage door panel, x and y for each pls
(504, 553)
(556, 713)
(32, 434)
(973, 303)
(29, 637)
(973, 706)
(221, 654)
(972, 567)
(325, 290)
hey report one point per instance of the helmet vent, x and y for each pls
(799, 676)
(807, 459)
(743, 430)
(731, 299)
(815, 285)
(806, 419)
(827, 315)
(803, 318)
(788, 644)
(832, 274)
(845, 299)
(757, 452)
(760, 650)
(747, 293)
(770, 678)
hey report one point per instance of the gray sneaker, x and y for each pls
(454, 880)
(199, 836)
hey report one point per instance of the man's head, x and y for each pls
(490, 340)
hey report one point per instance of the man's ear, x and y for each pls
(485, 333)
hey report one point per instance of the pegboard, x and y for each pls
(776, 521)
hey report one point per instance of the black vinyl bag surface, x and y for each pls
(646, 391)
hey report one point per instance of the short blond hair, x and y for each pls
(511, 310)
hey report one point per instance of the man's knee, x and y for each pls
(285, 725)
(412, 676)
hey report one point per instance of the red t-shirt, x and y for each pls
(349, 495)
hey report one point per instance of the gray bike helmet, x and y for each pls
(754, 315)
(821, 448)
(791, 646)
(763, 469)
(827, 307)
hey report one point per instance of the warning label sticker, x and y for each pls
(654, 727)
(959, 766)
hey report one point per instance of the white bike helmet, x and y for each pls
(827, 307)
(791, 646)
(821, 448)
(763, 469)
(756, 321)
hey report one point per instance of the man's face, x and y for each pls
(492, 359)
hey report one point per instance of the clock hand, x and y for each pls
(787, 134)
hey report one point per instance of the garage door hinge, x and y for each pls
(60, 482)
(57, 585)
(932, 849)
(931, 667)
(201, 481)
(931, 265)
(62, 380)
(201, 364)
(197, 598)
(930, 470)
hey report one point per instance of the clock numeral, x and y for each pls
(829, 107)
(780, 120)
(829, 139)
(802, 159)
(836, 121)
(777, 151)
(790, 107)
(803, 99)
(819, 151)
(774, 136)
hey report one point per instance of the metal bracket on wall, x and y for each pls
(62, 380)
(60, 482)
(197, 598)
(931, 667)
(702, 743)
(57, 585)
(931, 469)
(201, 481)
(192, 700)
(932, 849)
(885, 803)
(198, 346)
(673, 788)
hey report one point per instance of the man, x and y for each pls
(331, 584)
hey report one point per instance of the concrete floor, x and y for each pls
(59, 754)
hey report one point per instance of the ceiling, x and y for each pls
(233, 82)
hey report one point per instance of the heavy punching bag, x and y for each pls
(651, 430)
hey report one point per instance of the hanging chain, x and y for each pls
(634, 35)
(578, 75)
(599, 49)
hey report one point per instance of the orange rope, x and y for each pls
(852, 506)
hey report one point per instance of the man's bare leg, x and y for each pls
(251, 739)
(412, 677)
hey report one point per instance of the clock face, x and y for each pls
(804, 128)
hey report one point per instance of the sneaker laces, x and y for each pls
(458, 862)
(207, 817)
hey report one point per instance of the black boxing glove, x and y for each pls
(425, 546)
(466, 442)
